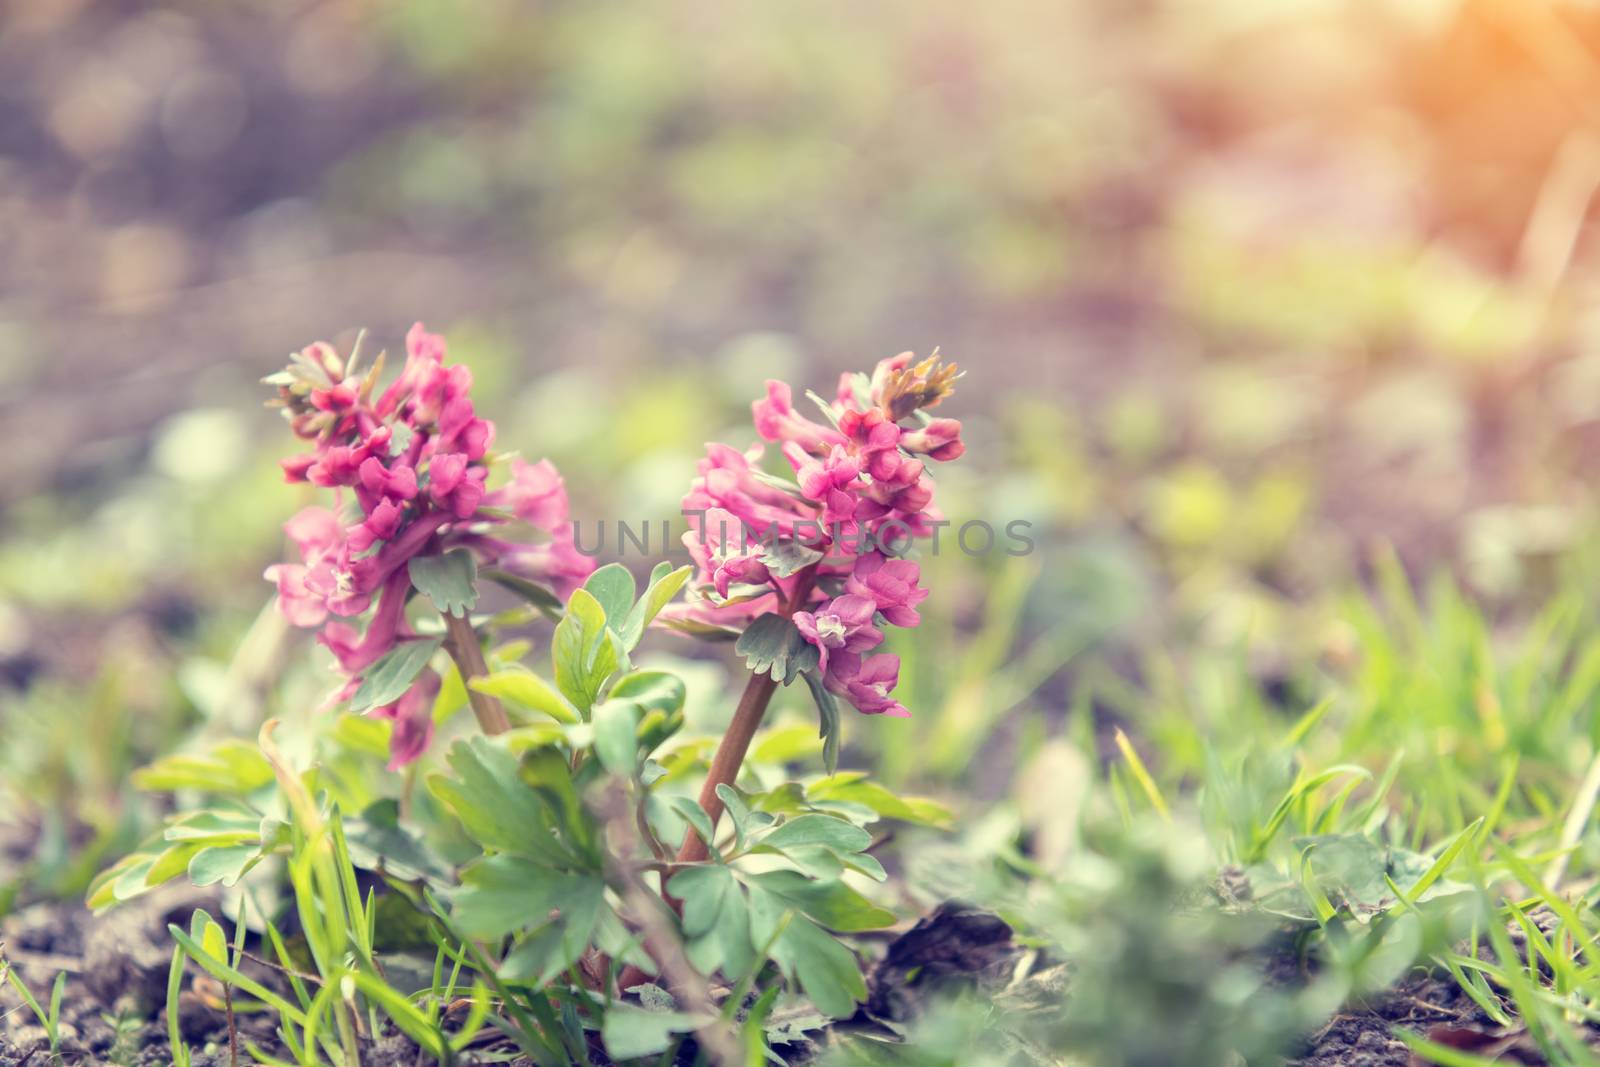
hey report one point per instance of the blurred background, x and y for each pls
(1246, 291)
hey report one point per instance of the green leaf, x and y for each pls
(377, 842)
(215, 828)
(785, 557)
(229, 767)
(496, 807)
(833, 904)
(363, 734)
(827, 408)
(702, 631)
(826, 970)
(822, 830)
(738, 813)
(128, 881)
(534, 593)
(630, 1032)
(702, 890)
(213, 940)
(450, 580)
(664, 585)
(853, 788)
(452, 696)
(788, 743)
(226, 864)
(697, 818)
(522, 687)
(585, 652)
(556, 946)
(774, 646)
(220, 969)
(616, 738)
(404, 1014)
(828, 712)
(504, 894)
(612, 587)
(172, 862)
(387, 680)
(651, 691)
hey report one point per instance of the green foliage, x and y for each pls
(49, 1018)
(388, 679)
(586, 651)
(450, 580)
(772, 645)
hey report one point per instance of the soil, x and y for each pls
(114, 1009)
(1363, 1034)
(114, 1004)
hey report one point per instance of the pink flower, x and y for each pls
(315, 532)
(462, 431)
(397, 482)
(356, 652)
(537, 495)
(379, 525)
(340, 465)
(871, 431)
(303, 587)
(422, 499)
(423, 346)
(777, 420)
(867, 683)
(818, 477)
(721, 548)
(454, 487)
(891, 584)
(295, 467)
(845, 622)
(439, 388)
(940, 439)
(412, 718)
(861, 485)
(729, 480)
(299, 604)
(424, 352)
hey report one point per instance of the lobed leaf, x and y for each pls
(449, 580)
(773, 645)
(388, 679)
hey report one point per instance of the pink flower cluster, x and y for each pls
(414, 461)
(827, 548)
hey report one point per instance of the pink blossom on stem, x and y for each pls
(417, 462)
(536, 494)
(721, 548)
(777, 420)
(861, 488)
(843, 623)
(557, 563)
(867, 683)
(891, 584)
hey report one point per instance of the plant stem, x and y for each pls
(728, 759)
(736, 742)
(464, 649)
(719, 1043)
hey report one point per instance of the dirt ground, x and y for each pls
(114, 1011)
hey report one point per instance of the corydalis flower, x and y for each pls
(415, 461)
(825, 547)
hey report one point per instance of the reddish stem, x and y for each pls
(727, 761)
(736, 742)
(464, 649)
